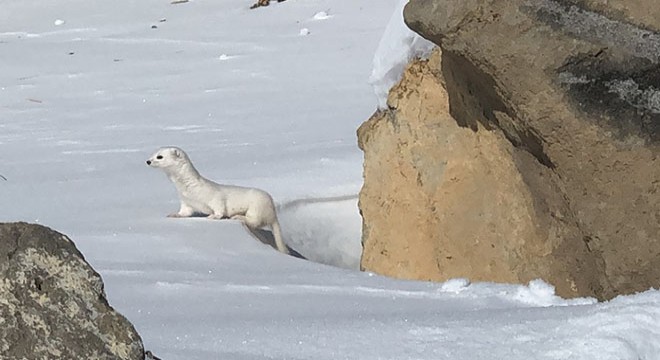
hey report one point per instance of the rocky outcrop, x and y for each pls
(52, 303)
(441, 200)
(529, 148)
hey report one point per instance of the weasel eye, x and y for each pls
(159, 157)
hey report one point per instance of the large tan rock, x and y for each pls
(443, 201)
(573, 87)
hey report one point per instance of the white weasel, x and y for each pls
(253, 207)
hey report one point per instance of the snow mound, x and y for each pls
(396, 48)
(455, 285)
(327, 231)
(624, 328)
(540, 293)
(321, 15)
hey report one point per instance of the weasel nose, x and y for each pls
(148, 162)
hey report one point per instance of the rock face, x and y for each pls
(52, 303)
(446, 201)
(528, 148)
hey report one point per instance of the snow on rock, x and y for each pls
(397, 47)
(304, 32)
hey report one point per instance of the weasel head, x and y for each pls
(170, 159)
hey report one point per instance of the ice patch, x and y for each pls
(59, 22)
(396, 48)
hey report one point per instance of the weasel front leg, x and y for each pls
(184, 211)
(217, 215)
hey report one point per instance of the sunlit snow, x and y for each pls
(89, 89)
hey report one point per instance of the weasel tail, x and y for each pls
(277, 234)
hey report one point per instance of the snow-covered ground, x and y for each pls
(268, 98)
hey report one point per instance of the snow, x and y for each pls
(85, 102)
(321, 15)
(396, 48)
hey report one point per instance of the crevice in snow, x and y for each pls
(326, 231)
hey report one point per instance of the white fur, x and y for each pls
(253, 207)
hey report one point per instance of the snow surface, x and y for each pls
(396, 48)
(89, 89)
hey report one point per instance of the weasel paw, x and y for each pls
(174, 215)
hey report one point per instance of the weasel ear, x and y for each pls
(177, 153)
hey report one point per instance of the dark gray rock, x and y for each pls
(52, 303)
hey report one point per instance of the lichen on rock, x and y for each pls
(52, 303)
